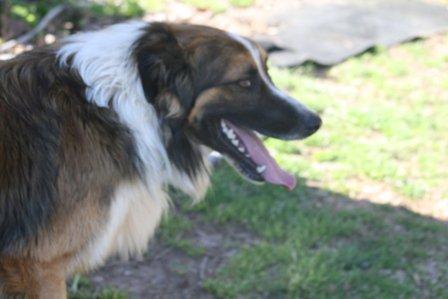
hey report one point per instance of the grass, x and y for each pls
(81, 288)
(313, 247)
(174, 233)
(242, 3)
(125, 9)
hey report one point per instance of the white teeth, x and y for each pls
(231, 134)
(261, 169)
(224, 125)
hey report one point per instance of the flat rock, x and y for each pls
(328, 34)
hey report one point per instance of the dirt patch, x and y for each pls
(167, 272)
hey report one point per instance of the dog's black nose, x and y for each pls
(312, 124)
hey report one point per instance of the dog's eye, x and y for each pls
(245, 83)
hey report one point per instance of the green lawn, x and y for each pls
(385, 116)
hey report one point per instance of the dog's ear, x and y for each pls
(165, 72)
(167, 78)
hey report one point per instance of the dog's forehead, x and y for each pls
(233, 55)
(196, 36)
(190, 33)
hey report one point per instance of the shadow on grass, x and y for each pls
(248, 241)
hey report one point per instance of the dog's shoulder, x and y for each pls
(50, 138)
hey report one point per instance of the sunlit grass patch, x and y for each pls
(125, 8)
(384, 117)
(242, 3)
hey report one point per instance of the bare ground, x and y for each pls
(167, 272)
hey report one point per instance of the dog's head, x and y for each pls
(212, 88)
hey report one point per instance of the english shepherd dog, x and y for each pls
(94, 130)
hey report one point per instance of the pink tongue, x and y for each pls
(260, 155)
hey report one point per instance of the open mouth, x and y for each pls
(251, 158)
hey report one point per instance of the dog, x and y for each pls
(94, 130)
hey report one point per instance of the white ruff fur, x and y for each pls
(133, 218)
(103, 60)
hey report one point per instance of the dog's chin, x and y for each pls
(244, 150)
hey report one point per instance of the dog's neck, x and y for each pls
(104, 61)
